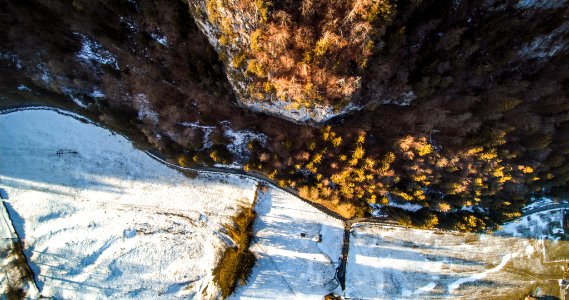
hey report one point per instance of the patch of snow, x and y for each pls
(537, 203)
(240, 139)
(145, 111)
(548, 45)
(291, 263)
(406, 206)
(540, 4)
(23, 88)
(473, 209)
(453, 286)
(92, 51)
(541, 224)
(404, 98)
(97, 93)
(160, 39)
(207, 131)
(72, 95)
(45, 76)
(376, 209)
(529, 250)
(407, 98)
(78, 102)
(100, 219)
(377, 212)
(425, 289)
(129, 24)
(195, 125)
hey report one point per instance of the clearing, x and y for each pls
(100, 219)
(388, 261)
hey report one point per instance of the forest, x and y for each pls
(458, 117)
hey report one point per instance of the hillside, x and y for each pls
(88, 215)
(98, 218)
(446, 114)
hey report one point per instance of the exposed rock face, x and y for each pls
(299, 60)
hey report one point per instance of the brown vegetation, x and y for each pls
(306, 53)
(488, 127)
(237, 262)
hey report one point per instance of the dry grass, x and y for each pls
(237, 262)
(20, 273)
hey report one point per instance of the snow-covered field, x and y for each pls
(297, 248)
(392, 262)
(101, 219)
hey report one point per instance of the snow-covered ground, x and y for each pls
(392, 262)
(541, 225)
(293, 262)
(101, 219)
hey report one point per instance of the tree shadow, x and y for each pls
(4, 194)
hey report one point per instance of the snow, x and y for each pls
(548, 45)
(240, 139)
(540, 4)
(207, 131)
(45, 76)
(406, 206)
(72, 95)
(231, 166)
(96, 93)
(160, 39)
(291, 263)
(145, 111)
(100, 219)
(539, 203)
(92, 51)
(209, 32)
(407, 98)
(23, 88)
(387, 261)
(425, 289)
(377, 208)
(543, 224)
(453, 286)
(130, 24)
